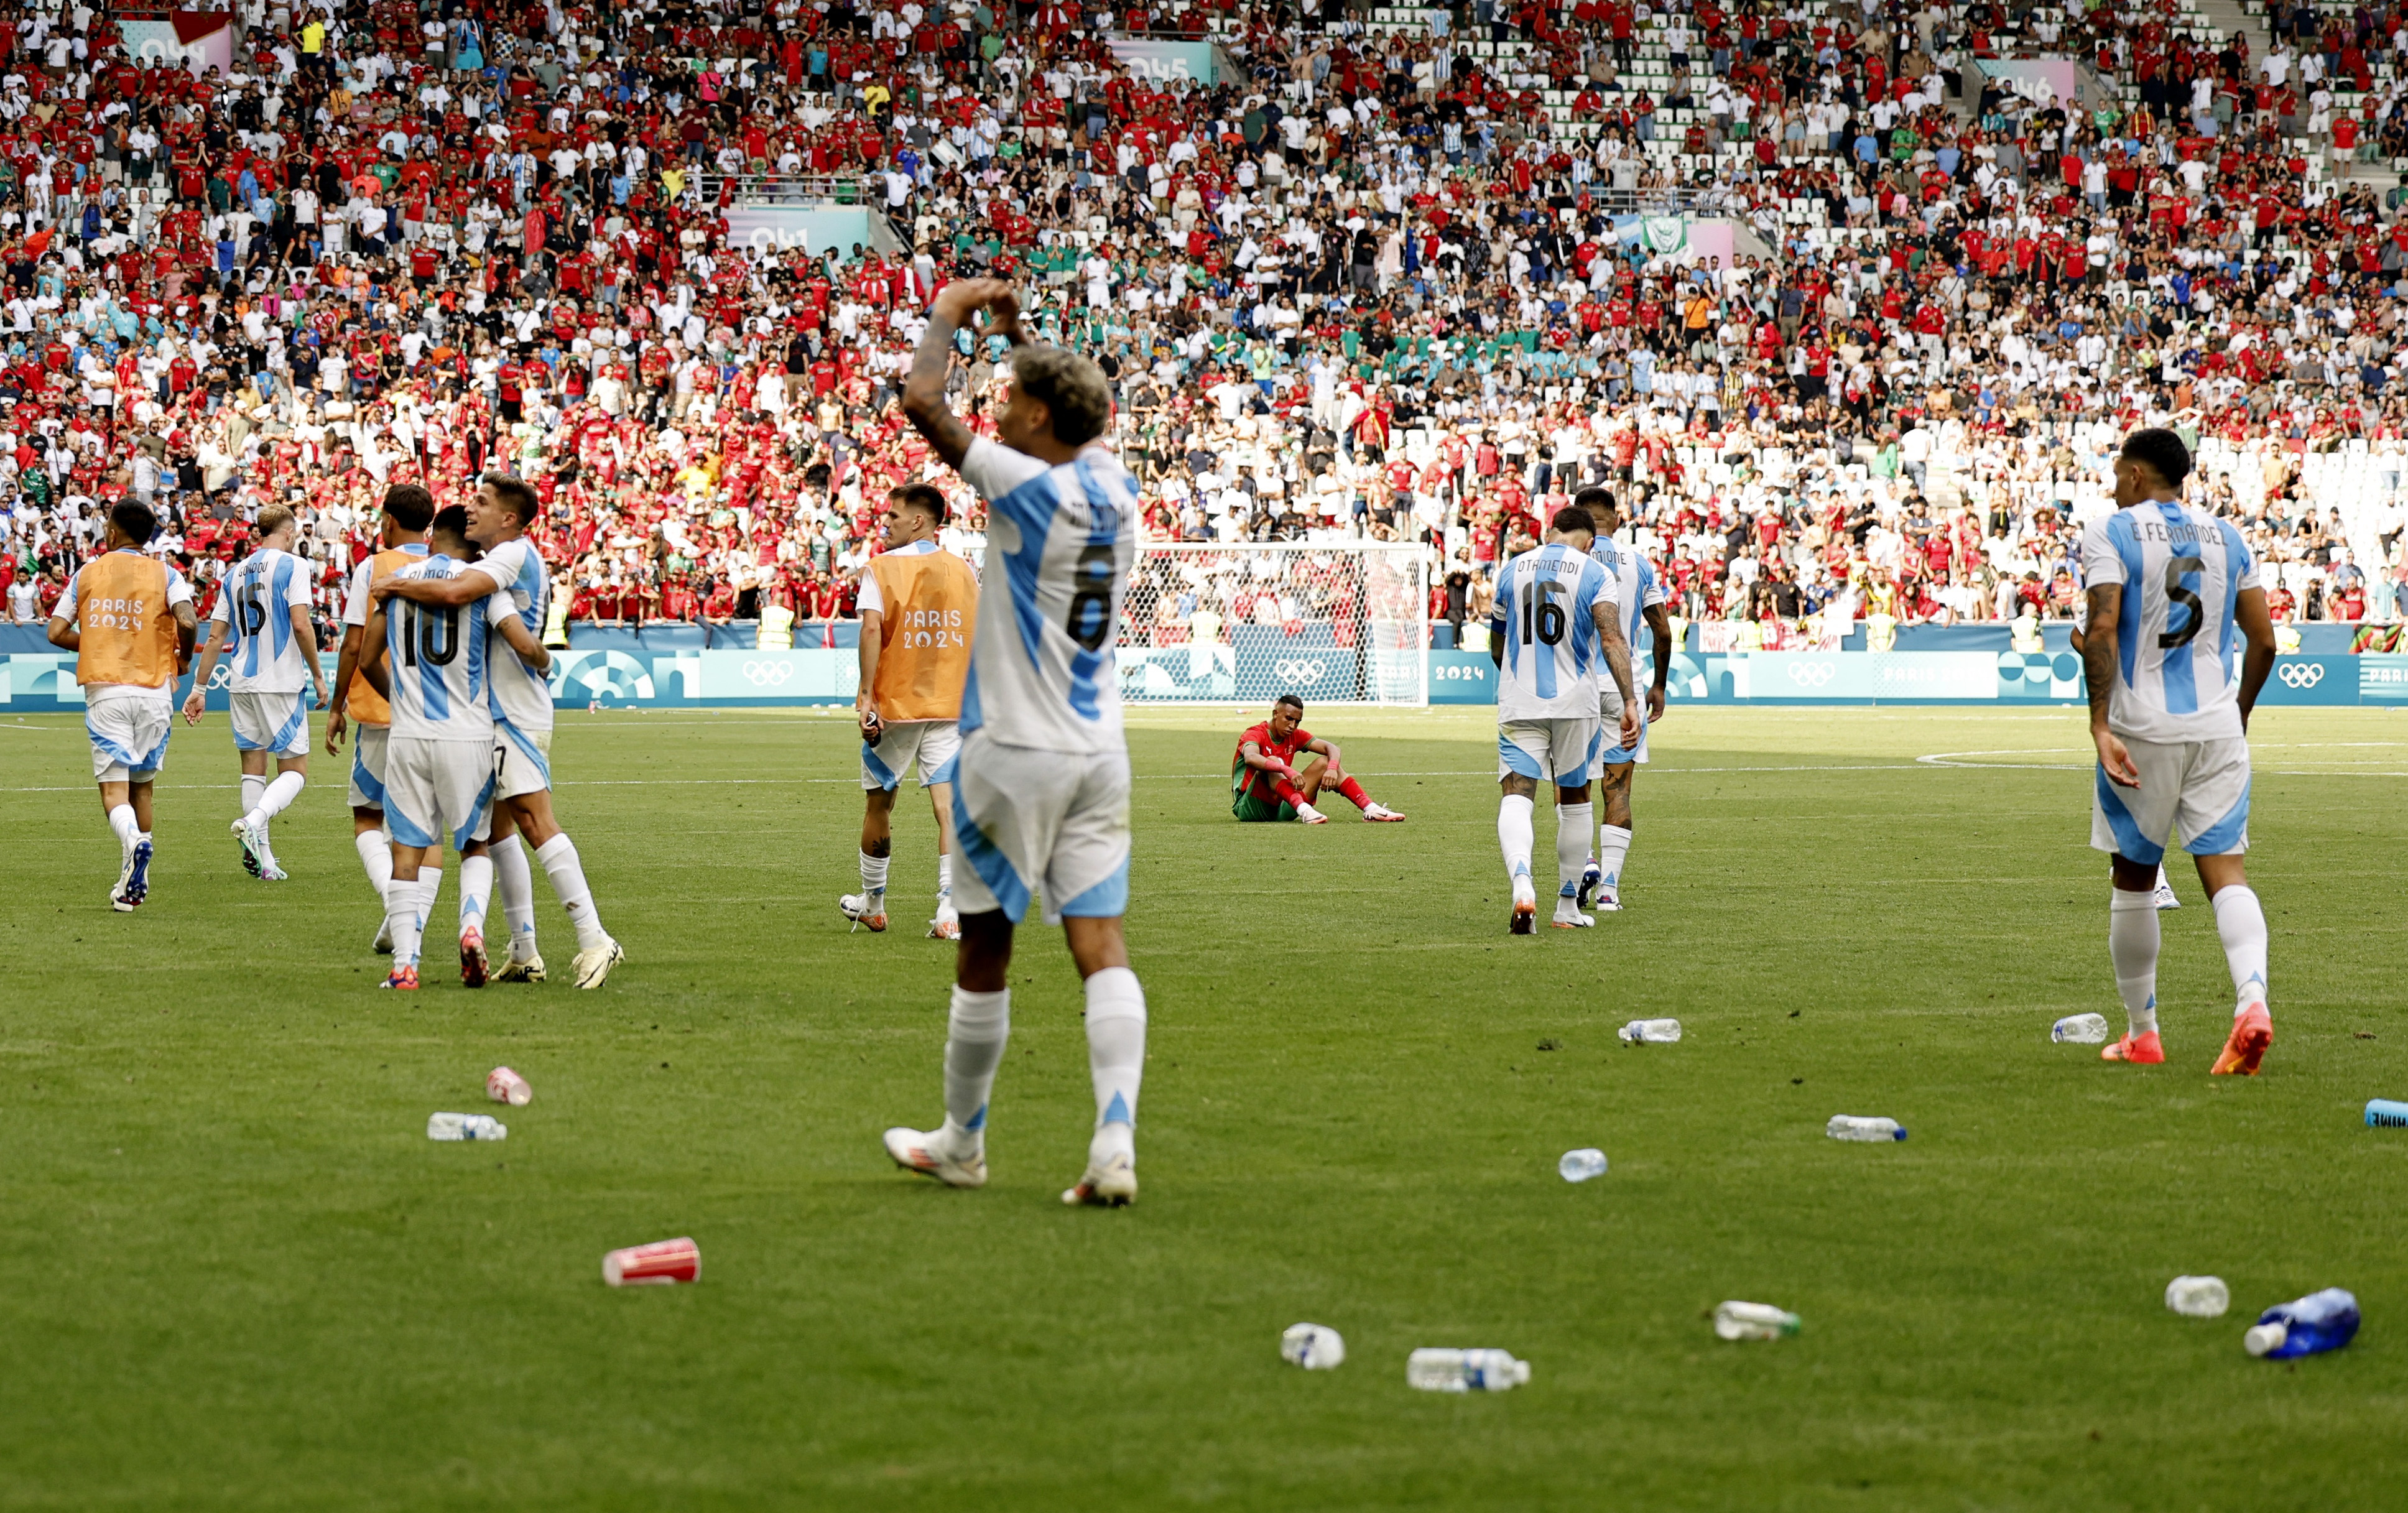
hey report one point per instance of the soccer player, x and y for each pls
(1554, 628)
(918, 602)
(402, 541)
(1638, 596)
(129, 621)
(1041, 791)
(2163, 895)
(1266, 783)
(2169, 586)
(262, 623)
(441, 758)
(498, 516)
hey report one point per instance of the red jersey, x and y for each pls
(1243, 778)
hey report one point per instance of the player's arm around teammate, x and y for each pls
(1040, 800)
(2166, 586)
(359, 709)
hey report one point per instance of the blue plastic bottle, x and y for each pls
(2318, 1323)
(2386, 1112)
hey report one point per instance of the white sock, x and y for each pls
(1612, 847)
(279, 793)
(376, 855)
(2132, 945)
(1513, 833)
(559, 858)
(975, 1033)
(476, 887)
(121, 819)
(401, 920)
(253, 784)
(1115, 1058)
(873, 874)
(430, 882)
(1571, 845)
(944, 883)
(2241, 922)
(516, 882)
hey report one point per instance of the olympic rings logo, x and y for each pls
(222, 676)
(2301, 674)
(769, 673)
(1301, 672)
(1812, 674)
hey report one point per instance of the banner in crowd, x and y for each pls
(811, 229)
(627, 674)
(1159, 60)
(199, 40)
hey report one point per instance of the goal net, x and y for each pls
(1343, 623)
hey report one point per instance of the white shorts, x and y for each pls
(527, 760)
(1049, 821)
(935, 745)
(434, 789)
(2196, 788)
(129, 738)
(367, 766)
(1609, 728)
(270, 722)
(1560, 752)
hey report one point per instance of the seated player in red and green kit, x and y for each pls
(1266, 781)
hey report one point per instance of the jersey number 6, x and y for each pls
(419, 636)
(1090, 619)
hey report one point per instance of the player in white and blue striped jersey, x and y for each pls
(441, 759)
(2172, 596)
(1555, 635)
(1041, 789)
(261, 623)
(1639, 600)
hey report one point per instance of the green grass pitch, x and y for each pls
(238, 1277)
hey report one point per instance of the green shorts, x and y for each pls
(1252, 810)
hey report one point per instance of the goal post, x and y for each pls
(1219, 622)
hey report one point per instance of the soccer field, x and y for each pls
(241, 1277)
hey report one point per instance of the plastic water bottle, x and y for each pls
(1858, 1127)
(2314, 1324)
(1753, 1320)
(1465, 1371)
(1581, 1164)
(1651, 1032)
(2386, 1113)
(2199, 1297)
(1313, 1347)
(2080, 1030)
(465, 1127)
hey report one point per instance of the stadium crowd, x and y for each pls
(1404, 276)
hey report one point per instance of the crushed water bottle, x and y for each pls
(2199, 1297)
(1753, 1320)
(1651, 1032)
(1581, 1164)
(2080, 1030)
(465, 1127)
(2312, 1325)
(1313, 1347)
(1858, 1127)
(1465, 1371)
(2386, 1113)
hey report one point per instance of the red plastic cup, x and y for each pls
(661, 1262)
(504, 1086)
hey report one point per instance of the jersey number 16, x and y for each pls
(1542, 618)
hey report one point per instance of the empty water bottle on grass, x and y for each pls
(2080, 1030)
(1465, 1371)
(1753, 1320)
(1580, 1165)
(2310, 1325)
(1858, 1127)
(465, 1127)
(1651, 1032)
(2386, 1113)
(2199, 1297)
(1313, 1347)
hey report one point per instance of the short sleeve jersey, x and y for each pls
(1545, 615)
(255, 605)
(1060, 540)
(520, 695)
(2181, 570)
(1244, 777)
(437, 666)
(1635, 587)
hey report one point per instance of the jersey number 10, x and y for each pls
(431, 633)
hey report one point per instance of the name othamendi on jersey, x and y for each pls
(1544, 606)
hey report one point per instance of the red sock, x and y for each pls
(1355, 795)
(1288, 793)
